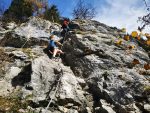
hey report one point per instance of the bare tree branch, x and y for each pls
(146, 3)
(145, 20)
(84, 11)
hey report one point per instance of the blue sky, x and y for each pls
(66, 6)
(119, 13)
(6, 3)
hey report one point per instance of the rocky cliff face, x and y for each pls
(96, 75)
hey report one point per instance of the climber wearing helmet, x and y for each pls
(53, 48)
(65, 27)
(65, 24)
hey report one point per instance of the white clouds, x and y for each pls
(122, 13)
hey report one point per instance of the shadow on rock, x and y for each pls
(46, 51)
(23, 77)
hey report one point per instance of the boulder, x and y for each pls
(147, 107)
(11, 26)
(46, 75)
(105, 108)
(5, 84)
(19, 55)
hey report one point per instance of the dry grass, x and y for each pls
(11, 105)
(93, 31)
(80, 32)
(147, 89)
(29, 53)
(4, 58)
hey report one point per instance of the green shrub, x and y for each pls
(19, 10)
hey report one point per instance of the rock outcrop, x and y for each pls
(34, 32)
(96, 75)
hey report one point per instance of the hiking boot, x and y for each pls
(55, 59)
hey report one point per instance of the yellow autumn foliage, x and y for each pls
(127, 37)
(147, 66)
(119, 42)
(38, 4)
(138, 37)
(147, 42)
(131, 46)
(134, 34)
(135, 62)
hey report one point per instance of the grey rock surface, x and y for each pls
(36, 31)
(94, 76)
(45, 74)
(108, 67)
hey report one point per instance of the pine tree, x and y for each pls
(52, 14)
(22, 9)
(19, 10)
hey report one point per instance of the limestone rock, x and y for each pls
(5, 84)
(106, 65)
(11, 26)
(147, 107)
(106, 108)
(44, 79)
(34, 32)
(19, 54)
(95, 74)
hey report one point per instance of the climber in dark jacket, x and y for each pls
(65, 27)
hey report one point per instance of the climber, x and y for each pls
(65, 29)
(53, 48)
(65, 25)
